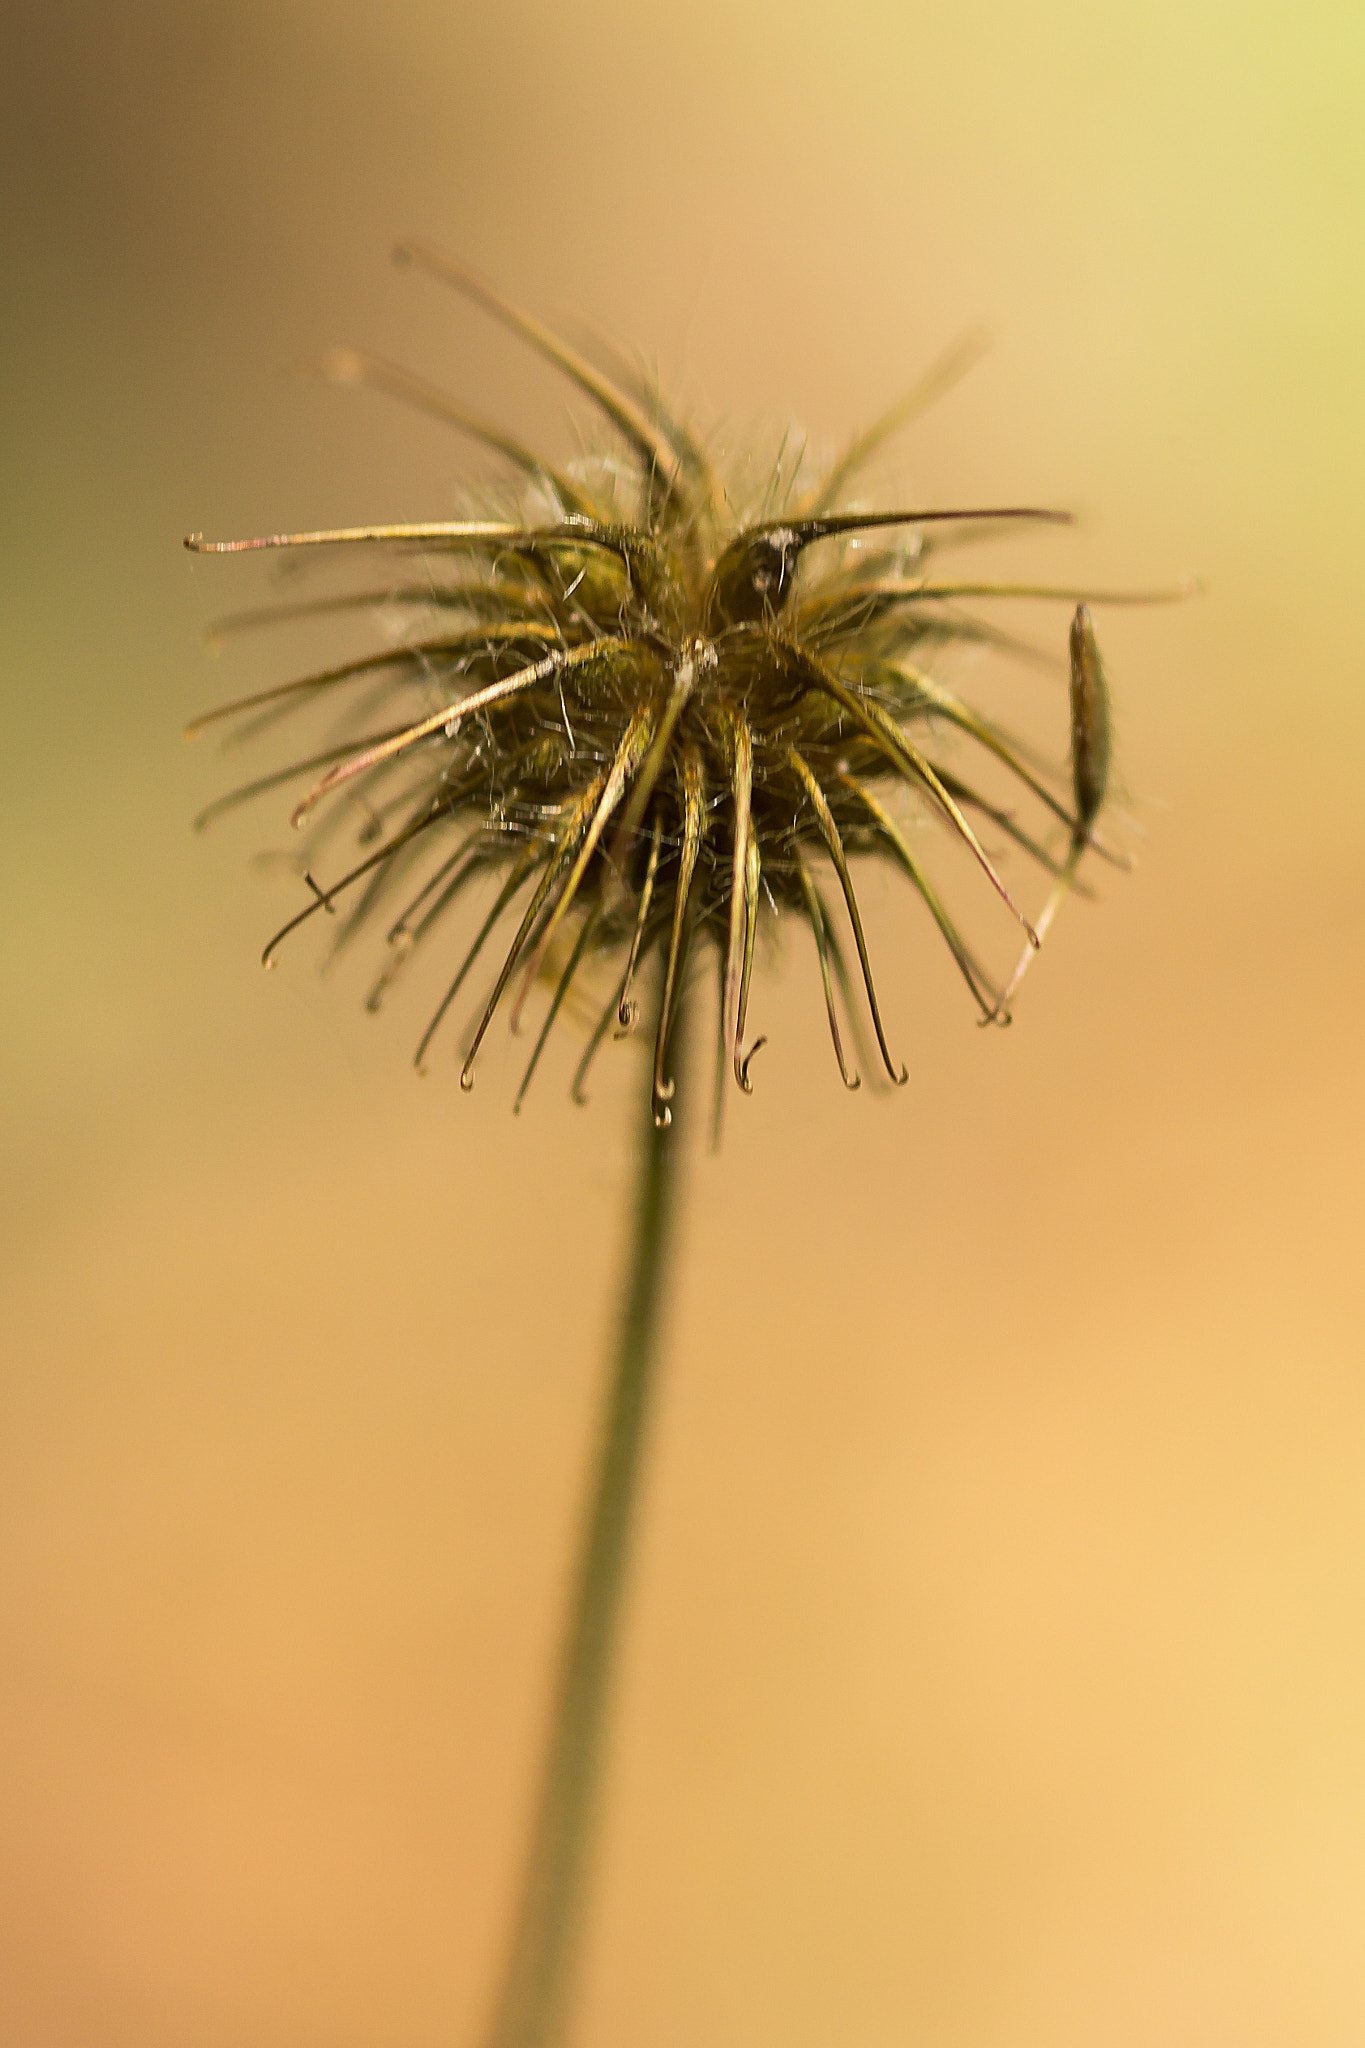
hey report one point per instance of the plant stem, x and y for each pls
(534, 1992)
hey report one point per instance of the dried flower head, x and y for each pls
(656, 715)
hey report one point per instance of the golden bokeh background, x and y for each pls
(995, 1662)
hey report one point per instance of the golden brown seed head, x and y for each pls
(655, 720)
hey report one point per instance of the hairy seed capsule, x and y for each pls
(656, 707)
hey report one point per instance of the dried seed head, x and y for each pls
(649, 714)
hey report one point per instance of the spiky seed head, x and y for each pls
(650, 715)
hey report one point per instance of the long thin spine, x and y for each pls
(453, 715)
(718, 1071)
(560, 853)
(842, 977)
(401, 929)
(451, 596)
(523, 867)
(658, 457)
(941, 375)
(414, 654)
(829, 526)
(829, 832)
(887, 826)
(752, 872)
(354, 366)
(247, 790)
(971, 798)
(475, 533)
(742, 782)
(473, 530)
(956, 713)
(626, 1008)
(816, 915)
(324, 898)
(601, 1028)
(599, 1032)
(561, 990)
(865, 601)
(1090, 744)
(633, 743)
(914, 765)
(691, 454)
(402, 937)
(694, 820)
(680, 689)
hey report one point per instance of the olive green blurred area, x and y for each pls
(994, 1671)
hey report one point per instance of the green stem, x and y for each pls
(534, 1993)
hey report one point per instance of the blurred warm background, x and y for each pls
(995, 1669)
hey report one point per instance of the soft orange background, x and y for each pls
(995, 1668)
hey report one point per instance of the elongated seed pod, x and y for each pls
(1089, 719)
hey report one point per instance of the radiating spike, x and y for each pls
(475, 530)
(752, 869)
(959, 357)
(878, 594)
(627, 1010)
(590, 1051)
(742, 780)
(602, 1026)
(352, 366)
(829, 832)
(691, 454)
(475, 533)
(718, 1074)
(907, 757)
(561, 990)
(986, 735)
(651, 446)
(817, 924)
(754, 575)
(560, 853)
(633, 743)
(843, 979)
(972, 799)
(320, 679)
(680, 689)
(324, 898)
(1089, 767)
(403, 938)
(415, 652)
(832, 524)
(247, 790)
(694, 824)
(380, 881)
(526, 861)
(492, 600)
(450, 719)
(886, 825)
(400, 928)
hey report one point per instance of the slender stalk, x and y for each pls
(533, 1998)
